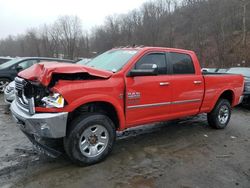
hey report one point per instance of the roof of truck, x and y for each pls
(144, 48)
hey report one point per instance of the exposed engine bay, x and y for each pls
(43, 95)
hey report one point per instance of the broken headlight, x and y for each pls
(55, 100)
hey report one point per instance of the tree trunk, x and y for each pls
(244, 42)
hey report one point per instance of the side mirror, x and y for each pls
(145, 70)
(19, 68)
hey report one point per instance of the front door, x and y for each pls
(148, 97)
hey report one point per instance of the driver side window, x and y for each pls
(154, 58)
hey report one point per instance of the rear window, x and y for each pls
(181, 63)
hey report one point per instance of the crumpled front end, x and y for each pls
(39, 108)
(37, 126)
(44, 72)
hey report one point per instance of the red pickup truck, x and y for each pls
(84, 106)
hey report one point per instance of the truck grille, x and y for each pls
(27, 104)
(8, 89)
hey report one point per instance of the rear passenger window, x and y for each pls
(181, 63)
(154, 58)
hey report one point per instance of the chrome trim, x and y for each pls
(186, 101)
(25, 103)
(20, 106)
(163, 104)
(197, 82)
(149, 105)
(31, 106)
(164, 83)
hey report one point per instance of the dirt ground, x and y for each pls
(184, 153)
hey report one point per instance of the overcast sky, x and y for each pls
(16, 16)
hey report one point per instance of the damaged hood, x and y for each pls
(42, 72)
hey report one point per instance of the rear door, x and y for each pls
(187, 84)
(148, 97)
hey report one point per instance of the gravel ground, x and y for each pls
(184, 153)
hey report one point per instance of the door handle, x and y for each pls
(164, 83)
(197, 82)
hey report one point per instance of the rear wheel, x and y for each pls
(90, 139)
(3, 83)
(221, 114)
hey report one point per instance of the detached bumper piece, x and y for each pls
(42, 148)
(44, 130)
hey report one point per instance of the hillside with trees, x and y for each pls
(217, 30)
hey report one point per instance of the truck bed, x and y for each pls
(217, 83)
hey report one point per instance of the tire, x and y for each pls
(3, 83)
(90, 139)
(220, 115)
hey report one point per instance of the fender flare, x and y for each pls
(219, 95)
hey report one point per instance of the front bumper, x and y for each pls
(48, 125)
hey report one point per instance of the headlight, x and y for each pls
(55, 100)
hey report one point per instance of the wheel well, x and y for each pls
(100, 107)
(228, 95)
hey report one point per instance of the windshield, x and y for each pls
(9, 63)
(83, 61)
(112, 60)
(243, 71)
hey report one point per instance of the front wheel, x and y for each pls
(220, 115)
(90, 139)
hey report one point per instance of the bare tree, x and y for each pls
(217, 30)
(244, 15)
(67, 30)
